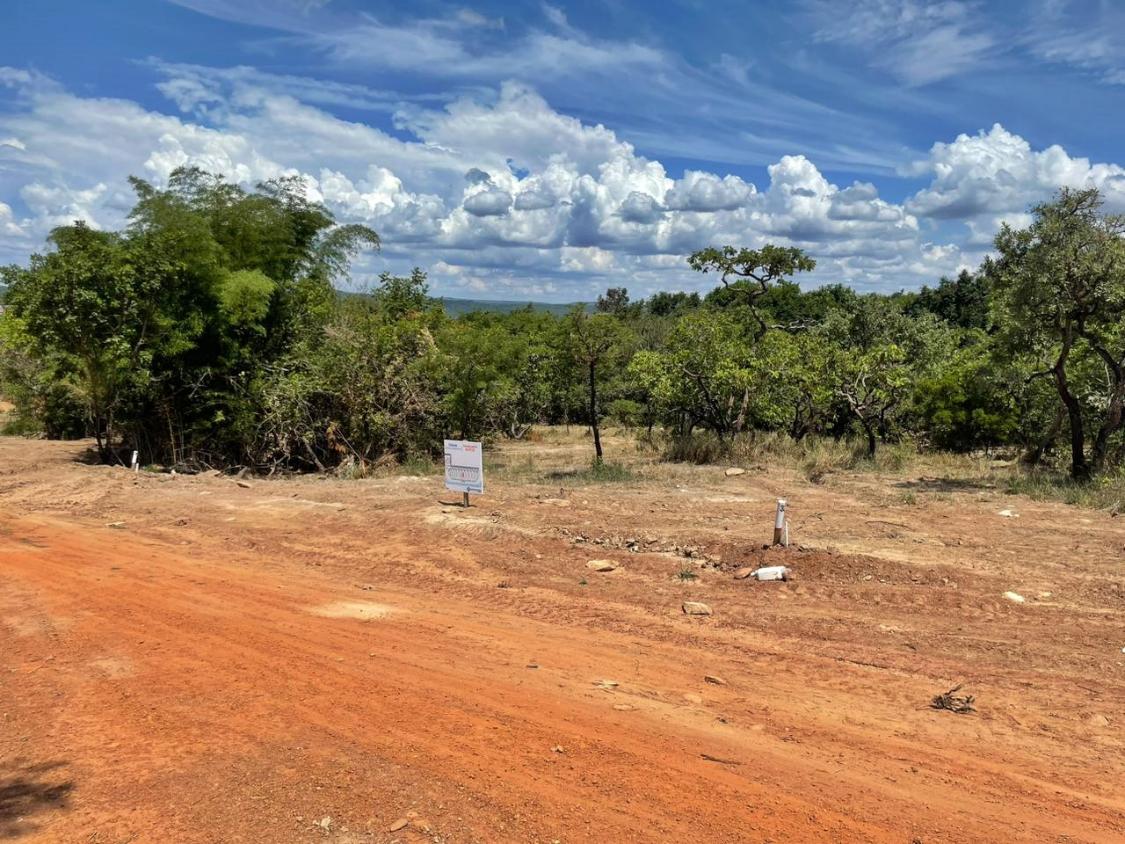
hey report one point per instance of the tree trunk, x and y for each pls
(1079, 468)
(1109, 427)
(1035, 457)
(594, 414)
(871, 440)
(740, 420)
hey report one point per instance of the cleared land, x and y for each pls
(329, 660)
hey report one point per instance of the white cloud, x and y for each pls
(1090, 37)
(490, 202)
(640, 208)
(918, 41)
(503, 189)
(994, 176)
(700, 191)
(8, 226)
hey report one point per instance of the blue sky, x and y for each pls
(550, 150)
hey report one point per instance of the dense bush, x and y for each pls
(209, 332)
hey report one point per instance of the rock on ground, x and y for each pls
(601, 565)
(696, 608)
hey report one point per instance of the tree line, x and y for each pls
(209, 332)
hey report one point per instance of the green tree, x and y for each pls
(1060, 291)
(704, 376)
(615, 302)
(167, 328)
(963, 301)
(593, 341)
(750, 274)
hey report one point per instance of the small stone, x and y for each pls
(1009, 514)
(325, 823)
(601, 565)
(244, 484)
(696, 608)
(558, 748)
(690, 697)
(1014, 597)
(713, 680)
(1097, 720)
(623, 707)
(116, 525)
(743, 573)
(397, 825)
(734, 472)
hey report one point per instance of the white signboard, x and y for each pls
(464, 466)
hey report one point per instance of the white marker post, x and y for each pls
(464, 468)
(135, 465)
(780, 525)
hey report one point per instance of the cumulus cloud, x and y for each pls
(8, 226)
(640, 208)
(993, 176)
(491, 202)
(502, 187)
(700, 191)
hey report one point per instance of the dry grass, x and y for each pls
(562, 457)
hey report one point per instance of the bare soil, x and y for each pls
(187, 659)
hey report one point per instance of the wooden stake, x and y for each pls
(465, 500)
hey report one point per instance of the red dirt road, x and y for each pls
(311, 661)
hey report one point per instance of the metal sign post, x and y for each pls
(464, 468)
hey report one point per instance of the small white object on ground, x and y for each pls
(1009, 514)
(771, 573)
(1014, 597)
(696, 608)
(733, 471)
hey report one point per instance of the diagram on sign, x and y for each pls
(464, 466)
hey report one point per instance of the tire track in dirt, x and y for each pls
(228, 660)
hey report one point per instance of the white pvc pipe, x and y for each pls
(779, 531)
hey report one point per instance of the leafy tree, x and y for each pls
(967, 403)
(751, 273)
(95, 306)
(1060, 292)
(704, 376)
(166, 328)
(615, 302)
(878, 354)
(665, 304)
(963, 301)
(592, 341)
(794, 388)
(399, 296)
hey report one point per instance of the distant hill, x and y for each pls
(458, 307)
